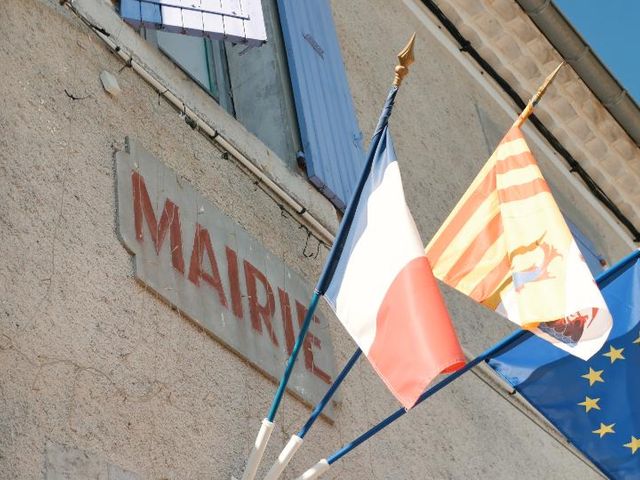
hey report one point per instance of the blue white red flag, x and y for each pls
(383, 290)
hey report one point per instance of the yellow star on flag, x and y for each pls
(604, 429)
(593, 376)
(614, 353)
(634, 444)
(637, 340)
(590, 403)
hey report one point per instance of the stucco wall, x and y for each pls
(96, 372)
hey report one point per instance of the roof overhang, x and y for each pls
(587, 110)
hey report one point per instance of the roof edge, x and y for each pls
(578, 53)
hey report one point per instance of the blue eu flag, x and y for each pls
(594, 403)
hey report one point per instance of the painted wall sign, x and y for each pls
(206, 265)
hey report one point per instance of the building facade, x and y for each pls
(167, 206)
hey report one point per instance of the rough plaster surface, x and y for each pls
(65, 463)
(95, 365)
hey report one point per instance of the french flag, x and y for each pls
(383, 291)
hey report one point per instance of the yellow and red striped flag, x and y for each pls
(507, 246)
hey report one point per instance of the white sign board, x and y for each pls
(203, 263)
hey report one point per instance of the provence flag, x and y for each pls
(507, 246)
(595, 403)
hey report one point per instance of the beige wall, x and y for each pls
(98, 373)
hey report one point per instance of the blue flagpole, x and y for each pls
(294, 354)
(323, 465)
(334, 255)
(332, 389)
(295, 442)
(405, 57)
(516, 336)
(323, 283)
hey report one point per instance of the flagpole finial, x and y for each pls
(405, 58)
(547, 81)
(528, 110)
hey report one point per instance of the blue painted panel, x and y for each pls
(138, 12)
(151, 15)
(130, 11)
(329, 130)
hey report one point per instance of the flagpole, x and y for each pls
(295, 442)
(528, 110)
(405, 58)
(323, 465)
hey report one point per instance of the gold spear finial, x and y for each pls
(528, 110)
(405, 58)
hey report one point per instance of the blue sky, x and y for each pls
(612, 28)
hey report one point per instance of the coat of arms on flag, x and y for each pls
(507, 246)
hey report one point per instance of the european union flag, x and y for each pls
(594, 403)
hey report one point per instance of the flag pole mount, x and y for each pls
(528, 110)
(405, 58)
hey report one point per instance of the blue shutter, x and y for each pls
(331, 139)
(138, 13)
(587, 248)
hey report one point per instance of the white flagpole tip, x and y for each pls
(284, 458)
(258, 450)
(316, 471)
